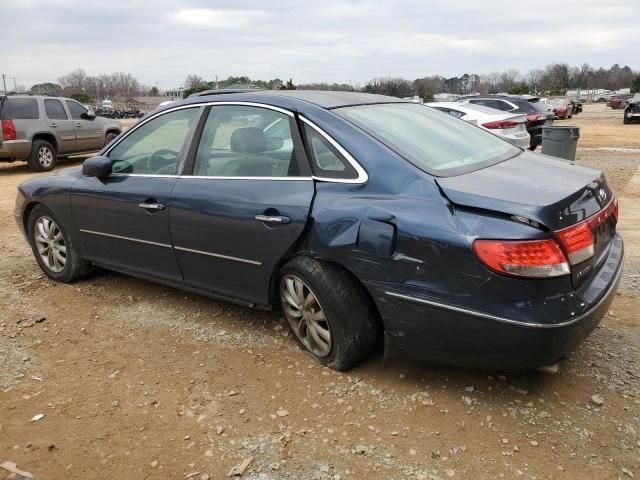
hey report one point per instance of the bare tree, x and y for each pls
(73, 81)
(193, 81)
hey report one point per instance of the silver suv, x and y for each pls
(42, 129)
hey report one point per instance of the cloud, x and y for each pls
(210, 18)
(333, 40)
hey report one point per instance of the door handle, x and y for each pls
(151, 206)
(54, 125)
(273, 219)
(78, 125)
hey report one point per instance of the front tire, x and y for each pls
(43, 156)
(109, 138)
(625, 119)
(53, 248)
(329, 313)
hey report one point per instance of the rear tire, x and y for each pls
(329, 313)
(53, 248)
(43, 156)
(626, 120)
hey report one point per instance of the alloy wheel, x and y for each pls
(50, 244)
(305, 315)
(45, 157)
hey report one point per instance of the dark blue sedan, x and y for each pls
(363, 217)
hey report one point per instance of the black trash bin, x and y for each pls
(561, 141)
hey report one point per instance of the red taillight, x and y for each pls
(8, 130)
(577, 241)
(523, 258)
(534, 118)
(500, 124)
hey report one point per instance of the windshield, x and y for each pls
(439, 144)
(558, 102)
(636, 98)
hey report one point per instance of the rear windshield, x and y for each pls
(19, 109)
(538, 106)
(438, 144)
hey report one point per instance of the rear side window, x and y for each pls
(55, 110)
(20, 109)
(326, 162)
(76, 110)
(538, 106)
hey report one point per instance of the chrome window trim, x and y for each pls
(120, 237)
(192, 105)
(510, 321)
(362, 177)
(208, 177)
(218, 255)
(117, 174)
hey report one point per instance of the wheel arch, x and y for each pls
(302, 251)
(48, 137)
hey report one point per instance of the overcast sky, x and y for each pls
(161, 41)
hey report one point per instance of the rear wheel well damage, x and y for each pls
(275, 300)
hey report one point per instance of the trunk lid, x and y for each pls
(551, 192)
(540, 188)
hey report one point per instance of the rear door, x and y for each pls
(89, 135)
(123, 219)
(60, 125)
(245, 204)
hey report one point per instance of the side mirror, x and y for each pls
(98, 167)
(88, 115)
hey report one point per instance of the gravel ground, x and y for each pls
(137, 380)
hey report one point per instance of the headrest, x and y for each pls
(248, 140)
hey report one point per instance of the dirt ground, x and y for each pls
(140, 381)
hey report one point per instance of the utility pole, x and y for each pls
(4, 83)
(15, 85)
(217, 85)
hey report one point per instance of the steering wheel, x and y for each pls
(157, 163)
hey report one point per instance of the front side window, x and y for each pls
(436, 143)
(155, 147)
(246, 141)
(76, 110)
(55, 110)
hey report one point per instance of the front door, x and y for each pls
(245, 205)
(60, 124)
(89, 135)
(123, 219)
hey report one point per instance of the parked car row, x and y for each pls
(509, 111)
(128, 112)
(42, 129)
(510, 127)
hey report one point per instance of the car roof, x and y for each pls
(320, 98)
(528, 98)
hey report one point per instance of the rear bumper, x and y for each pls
(428, 330)
(15, 149)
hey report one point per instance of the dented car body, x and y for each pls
(503, 259)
